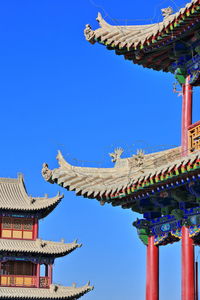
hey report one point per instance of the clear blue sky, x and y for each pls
(59, 92)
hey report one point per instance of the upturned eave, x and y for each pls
(14, 197)
(127, 177)
(57, 292)
(148, 45)
(39, 246)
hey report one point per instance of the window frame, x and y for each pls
(21, 221)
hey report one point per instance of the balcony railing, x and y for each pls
(23, 281)
(44, 282)
(194, 137)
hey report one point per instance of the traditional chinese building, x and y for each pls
(163, 187)
(25, 260)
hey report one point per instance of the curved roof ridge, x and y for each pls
(56, 197)
(62, 242)
(105, 24)
(165, 21)
(64, 164)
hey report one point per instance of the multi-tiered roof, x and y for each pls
(22, 252)
(170, 45)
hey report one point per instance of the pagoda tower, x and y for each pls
(22, 253)
(163, 187)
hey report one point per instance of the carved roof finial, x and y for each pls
(89, 34)
(46, 173)
(139, 158)
(116, 155)
(166, 12)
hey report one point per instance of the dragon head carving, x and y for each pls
(166, 12)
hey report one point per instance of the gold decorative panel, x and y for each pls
(27, 235)
(5, 280)
(6, 233)
(28, 281)
(17, 234)
(19, 281)
(194, 138)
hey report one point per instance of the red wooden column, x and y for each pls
(188, 274)
(196, 281)
(152, 273)
(35, 229)
(38, 275)
(50, 273)
(186, 114)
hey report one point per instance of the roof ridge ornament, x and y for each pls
(89, 34)
(46, 172)
(54, 287)
(20, 176)
(166, 12)
(101, 21)
(139, 157)
(41, 243)
(62, 162)
(116, 155)
(32, 200)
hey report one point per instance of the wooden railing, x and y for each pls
(44, 282)
(194, 137)
(23, 281)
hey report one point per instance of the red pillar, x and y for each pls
(35, 229)
(152, 275)
(188, 278)
(50, 273)
(196, 281)
(38, 275)
(186, 114)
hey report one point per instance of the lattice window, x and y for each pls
(6, 223)
(17, 224)
(194, 138)
(17, 228)
(28, 224)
